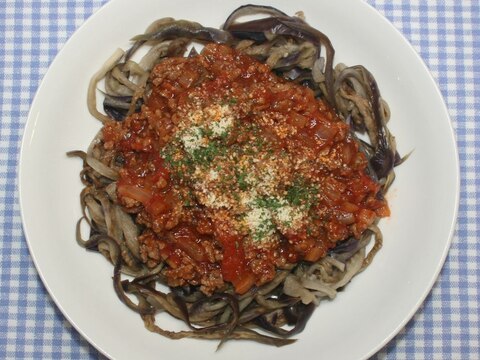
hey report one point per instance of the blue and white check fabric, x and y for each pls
(447, 36)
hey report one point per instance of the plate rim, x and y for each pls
(453, 222)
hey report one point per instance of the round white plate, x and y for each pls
(372, 309)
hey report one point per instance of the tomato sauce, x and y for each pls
(234, 172)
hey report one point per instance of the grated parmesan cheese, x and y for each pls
(244, 182)
(289, 216)
(192, 139)
(212, 175)
(221, 127)
(259, 222)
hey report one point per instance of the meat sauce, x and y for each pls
(234, 172)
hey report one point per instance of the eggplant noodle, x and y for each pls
(275, 299)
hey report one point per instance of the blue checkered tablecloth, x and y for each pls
(447, 36)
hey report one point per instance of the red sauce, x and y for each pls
(201, 244)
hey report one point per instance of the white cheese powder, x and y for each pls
(221, 127)
(193, 139)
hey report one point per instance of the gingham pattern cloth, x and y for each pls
(447, 36)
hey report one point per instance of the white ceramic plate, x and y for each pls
(374, 307)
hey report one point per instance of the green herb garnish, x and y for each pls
(301, 193)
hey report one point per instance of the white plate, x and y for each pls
(373, 308)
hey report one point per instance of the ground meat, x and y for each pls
(234, 172)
